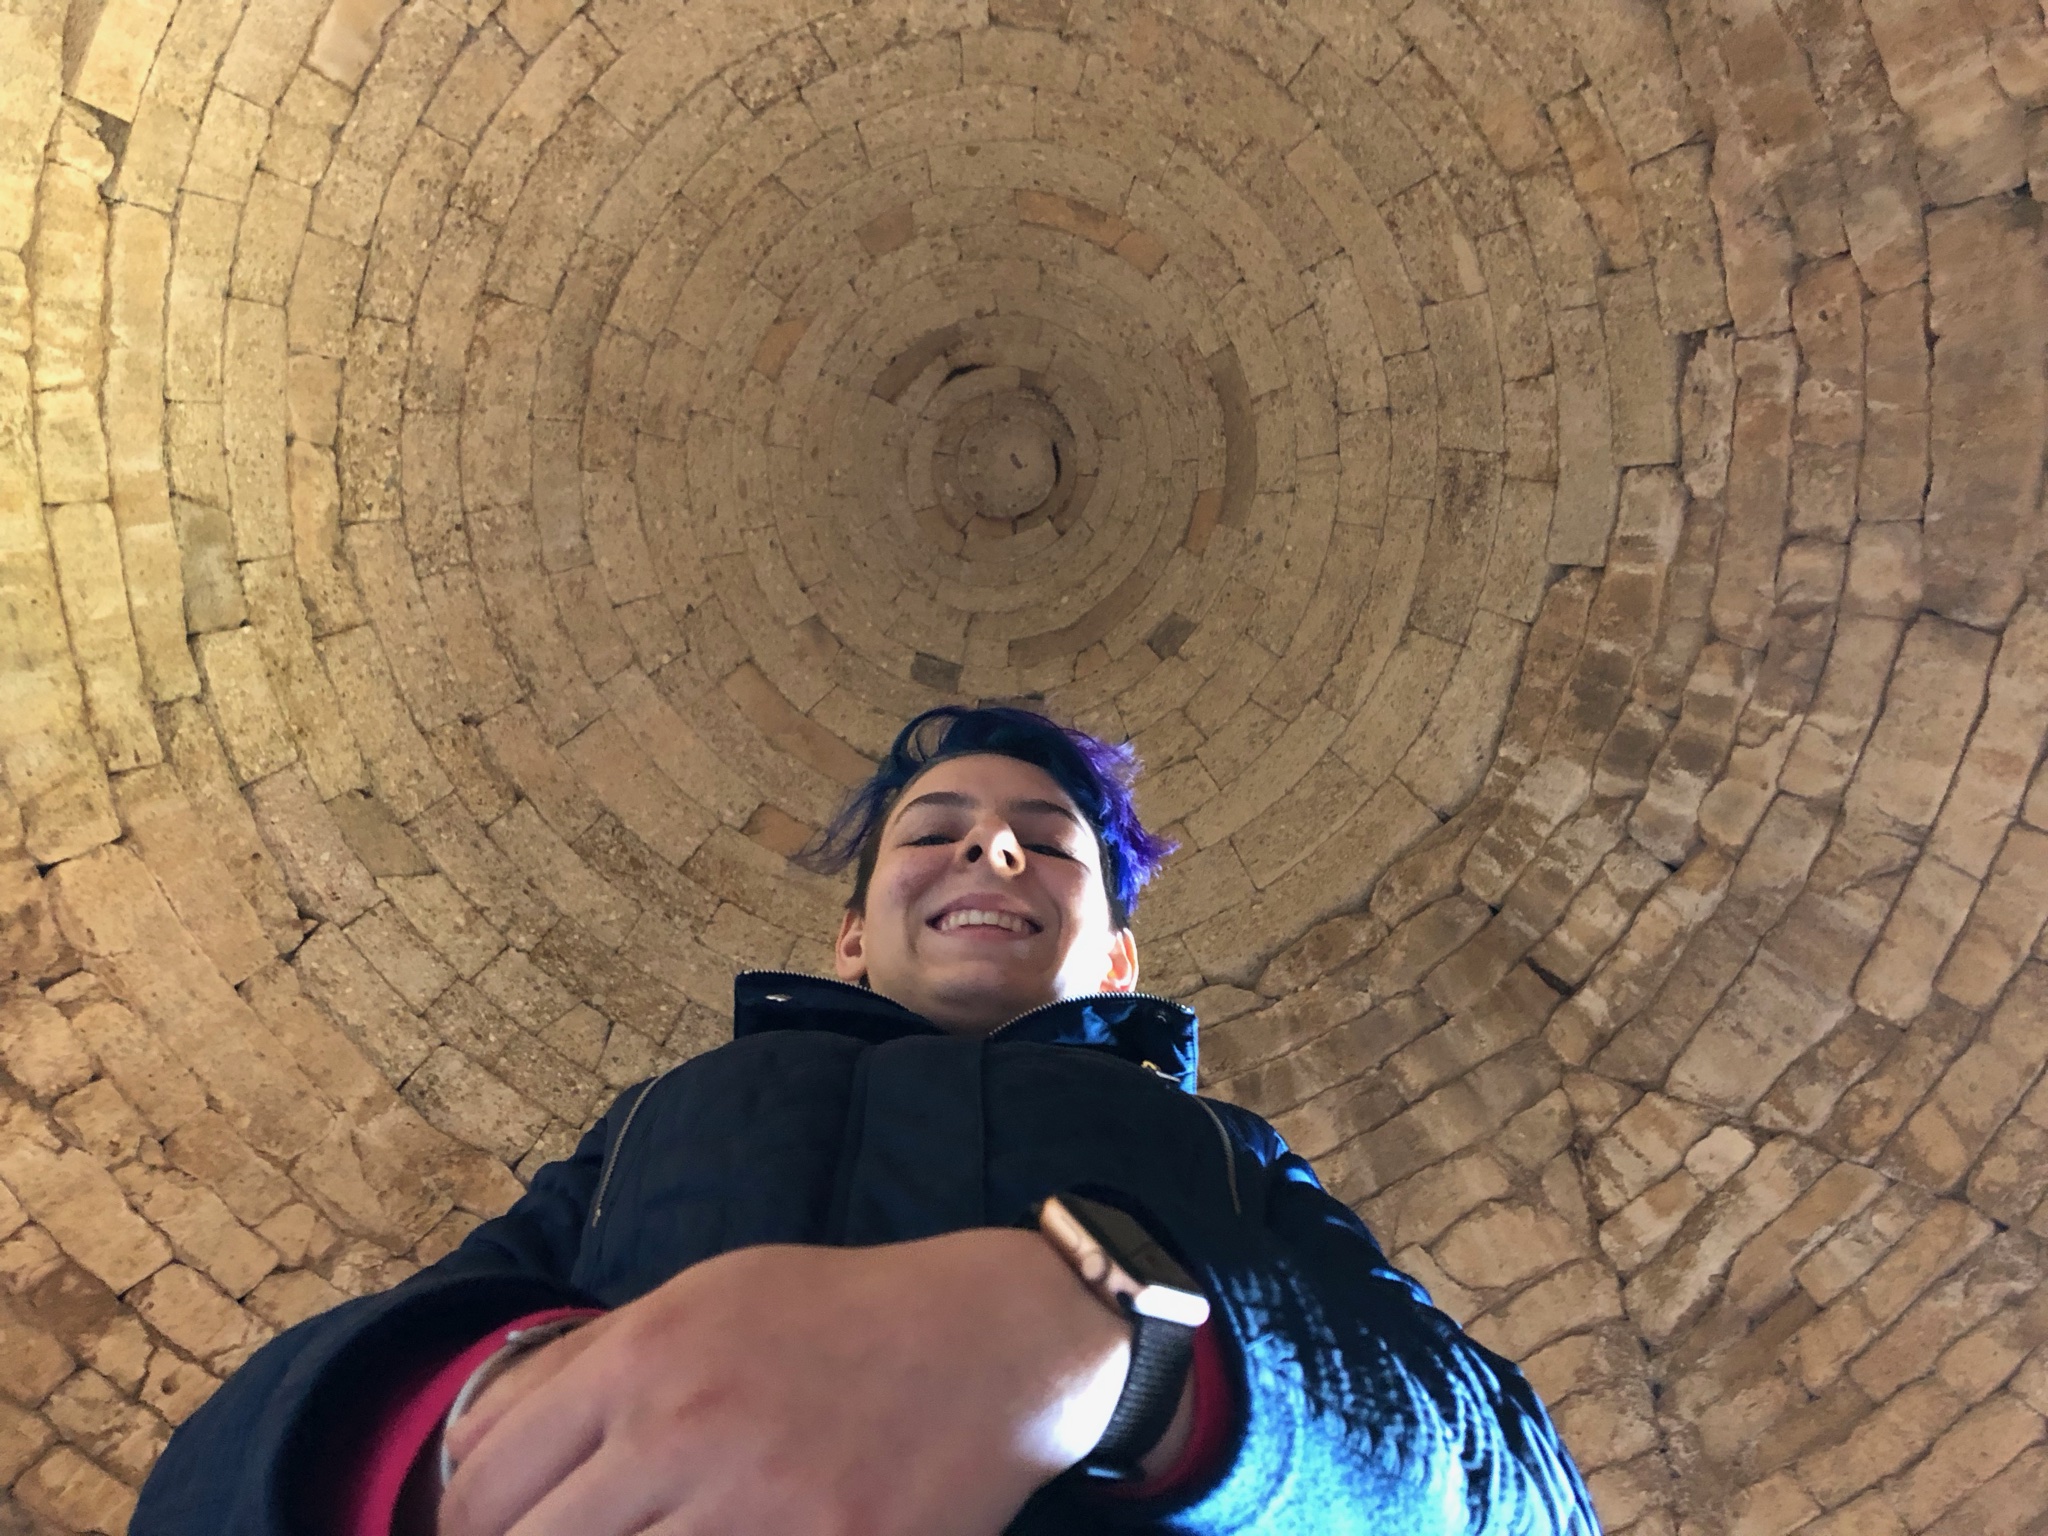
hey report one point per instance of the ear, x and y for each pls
(1122, 972)
(849, 950)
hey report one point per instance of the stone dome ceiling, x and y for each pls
(1551, 489)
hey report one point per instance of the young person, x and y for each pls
(946, 1246)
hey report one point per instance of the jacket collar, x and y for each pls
(1136, 1027)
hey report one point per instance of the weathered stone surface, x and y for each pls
(478, 489)
(73, 1198)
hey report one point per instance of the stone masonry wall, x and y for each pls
(1551, 487)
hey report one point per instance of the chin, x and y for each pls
(965, 988)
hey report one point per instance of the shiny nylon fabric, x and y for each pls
(839, 1117)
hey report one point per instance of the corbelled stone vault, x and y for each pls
(1551, 487)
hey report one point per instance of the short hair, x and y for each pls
(1096, 775)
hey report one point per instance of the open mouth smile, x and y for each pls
(965, 918)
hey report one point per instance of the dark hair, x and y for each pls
(1095, 774)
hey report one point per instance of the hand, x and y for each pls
(917, 1389)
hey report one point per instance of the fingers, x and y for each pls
(518, 1381)
(533, 1442)
(607, 1495)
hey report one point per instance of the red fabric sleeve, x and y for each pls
(405, 1426)
(1211, 1433)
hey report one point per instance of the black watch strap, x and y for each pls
(1161, 1352)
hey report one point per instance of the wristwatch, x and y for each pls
(1138, 1280)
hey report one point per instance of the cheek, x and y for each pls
(1079, 893)
(898, 884)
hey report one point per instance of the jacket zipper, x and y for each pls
(1229, 1147)
(611, 1158)
(1085, 997)
(1229, 1150)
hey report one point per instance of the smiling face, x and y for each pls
(986, 899)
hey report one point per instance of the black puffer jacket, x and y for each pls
(837, 1116)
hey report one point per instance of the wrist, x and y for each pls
(1105, 1339)
(1166, 1454)
(1069, 1352)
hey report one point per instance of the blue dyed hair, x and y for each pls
(1096, 775)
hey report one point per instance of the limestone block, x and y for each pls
(1678, 230)
(99, 1417)
(2000, 1274)
(322, 873)
(67, 1489)
(1505, 1244)
(71, 448)
(1666, 820)
(243, 705)
(209, 785)
(1981, 499)
(1643, 370)
(277, 615)
(1897, 366)
(208, 1148)
(2008, 1180)
(1674, 1286)
(1587, 479)
(192, 1313)
(2004, 925)
(96, 609)
(1936, 689)
(1763, 1273)
(1448, 759)
(147, 1076)
(1970, 134)
(67, 280)
(119, 917)
(1599, 913)
(77, 1202)
(1947, 1235)
(176, 1388)
(1762, 1024)
(2003, 748)
(398, 953)
(203, 1232)
(253, 428)
(344, 1077)
(1758, 489)
(1978, 1446)
(1646, 1143)
(1887, 1440)
(103, 1123)
(370, 1012)
(24, 1436)
(1718, 1155)
(1568, 1300)
(42, 1051)
(231, 135)
(1628, 54)
(108, 66)
(32, 949)
(16, 328)
(1599, 171)
(472, 1105)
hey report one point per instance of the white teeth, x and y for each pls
(971, 917)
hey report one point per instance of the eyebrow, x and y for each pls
(951, 799)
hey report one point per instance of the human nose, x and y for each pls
(1005, 853)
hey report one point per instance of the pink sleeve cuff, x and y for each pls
(1210, 1436)
(406, 1424)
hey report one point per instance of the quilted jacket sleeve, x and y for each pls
(250, 1462)
(1363, 1409)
